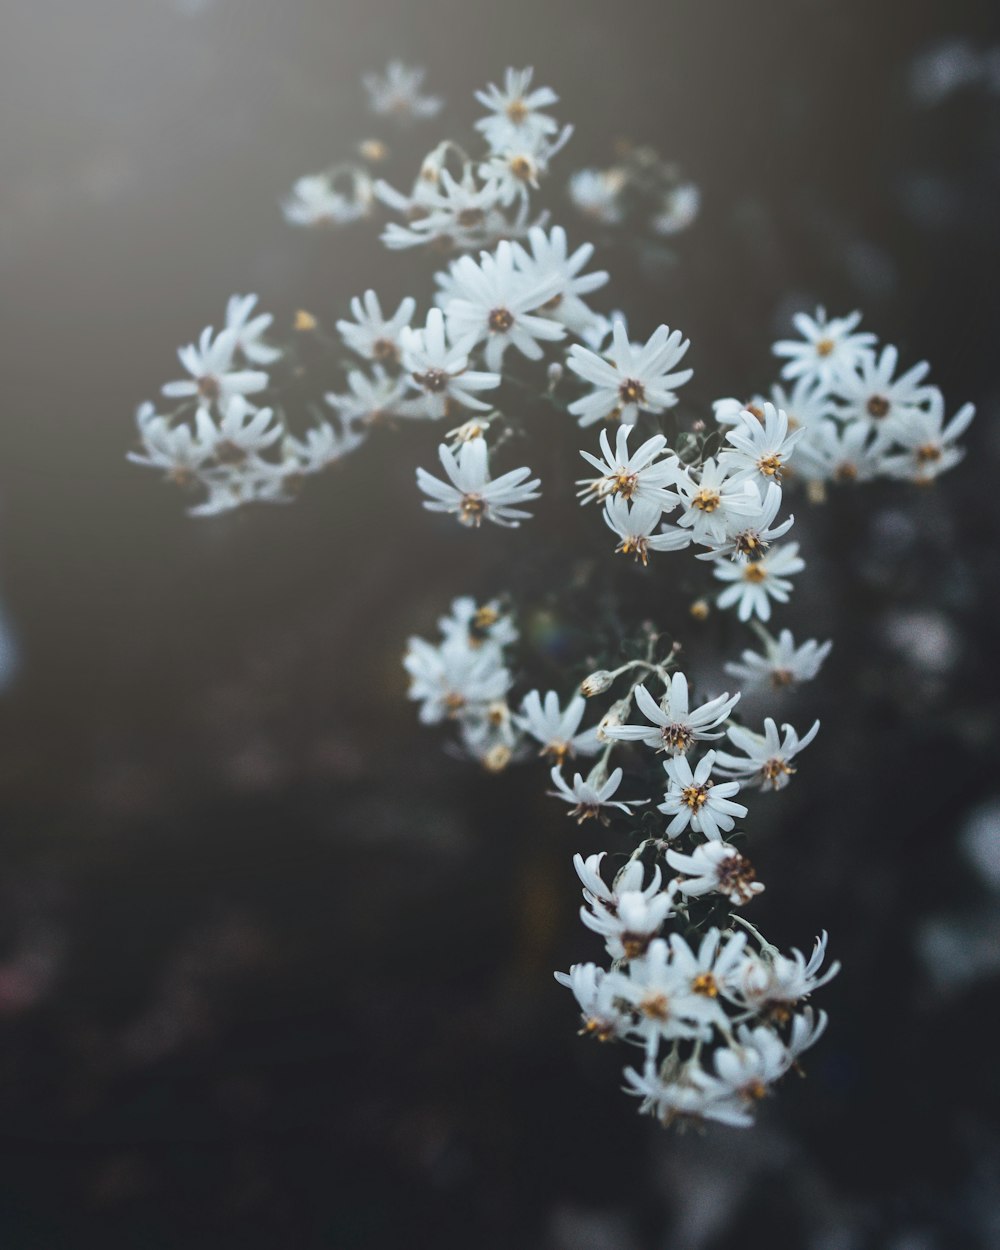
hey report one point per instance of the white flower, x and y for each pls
(596, 996)
(675, 725)
(765, 759)
(713, 967)
(471, 494)
(397, 93)
(370, 398)
(679, 209)
(440, 372)
(249, 330)
(598, 194)
(548, 261)
(840, 453)
(806, 404)
(715, 504)
(634, 476)
(753, 585)
(661, 999)
(637, 918)
(716, 867)
(929, 443)
(772, 984)
(213, 379)
(233, 486)
(491, 302)
(694, 799)
(317, 200)
(868, 393)
(514, 118)
(629, 880)
(516, 168)
(478, 624)
(629, 378)
(454, 679)
(690, 1095)
(555, 729)
(782, 664)
(749, 1067)
(244, 432)
(635, 524)
(179, 450)
(373, 335)
(320, 447)
(826, 346)
(759, 448)
(749, 533)
(451, 213)
(591, 796)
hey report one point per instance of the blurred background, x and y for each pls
(275, 970)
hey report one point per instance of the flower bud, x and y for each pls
(596, 683)
(614, 716)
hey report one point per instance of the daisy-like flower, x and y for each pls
(749, 535)
(759, 447)
(331, 199)
(633, 476)
(178, 450)
(690, 1095)
(515, 119)
(373, 335)
(597, 999)
(782, 664)
(601, 897)
(440, 371)
(320, 447)
(710, 970)
(370, 399)
(715, 504)
(716, 867)
(470, 494)
(478, 624)
(750, 1067)
(635, 524)
(675, 725)
(805, 404)
(558, 731)
(637, 919)
(591, 797)
(766, 758)
(869, 395)
(773, 985)
(730, 411)
(452, 213)
(453, 680)
(597, 193)
(396, 93)
(754, 584)
(213, 378)
(517, 169)
(492, 302)
(826, 346)
(830, 452)
(234, 486)
(550, 259)
(694, 799)
(244, 432)
(250, 330)
(663, 1005)
(629, 378)
(929, 443)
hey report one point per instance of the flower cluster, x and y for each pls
(856, 415)
(217, 441)
(508, 335)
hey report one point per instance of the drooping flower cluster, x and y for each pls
(507, 334)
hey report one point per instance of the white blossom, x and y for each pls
(629, 378)
(752, 585)
(694, 799)
(716, 867)
(470, 494)
(825, 348)
(782, 664)
(674, 725)
(396, 93)
(766, 757)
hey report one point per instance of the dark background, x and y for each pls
(274, 970)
